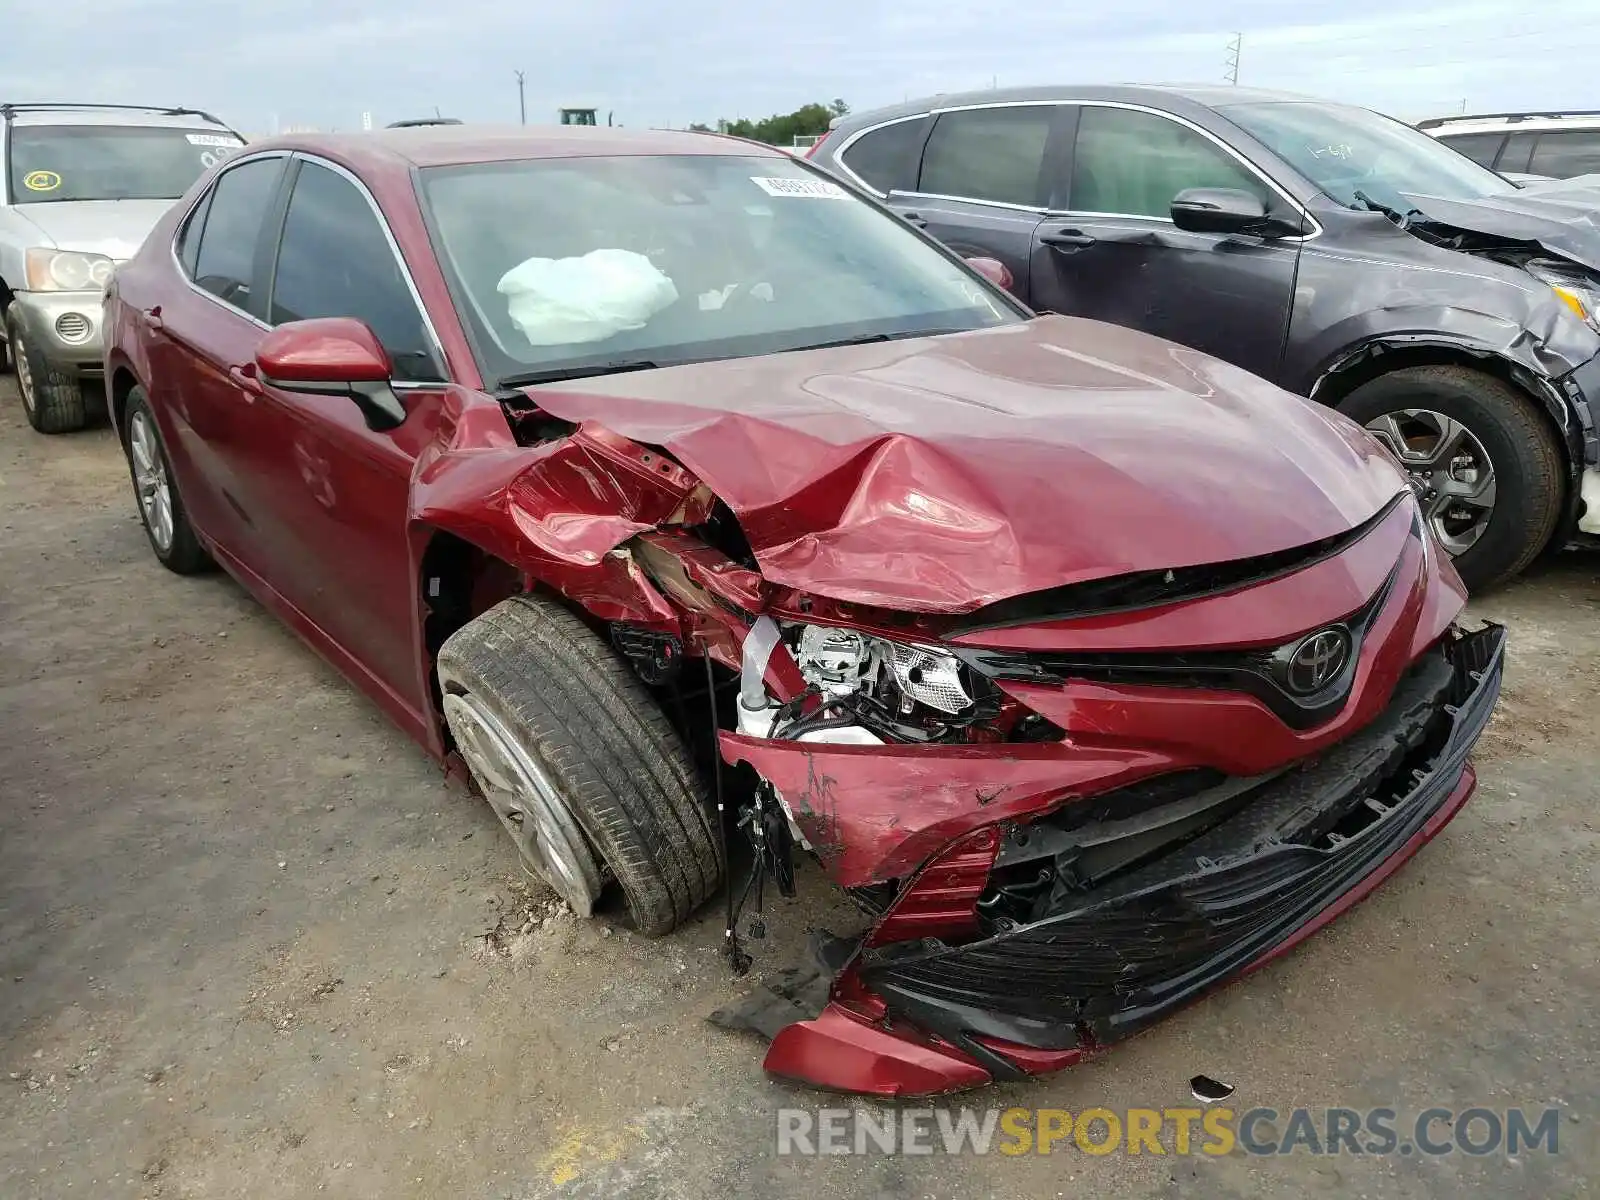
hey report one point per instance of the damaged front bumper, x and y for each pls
(924, 1016)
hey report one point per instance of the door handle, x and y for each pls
(152, 317)
(244, 378)
(1067, 238)
(916, 219)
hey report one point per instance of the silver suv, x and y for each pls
(81, 186)
(1557, 145)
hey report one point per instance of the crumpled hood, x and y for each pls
(1561, 216)
(941, 474)
(114, 228)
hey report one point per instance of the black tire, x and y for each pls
(52, 397)
(1521, 446)
(621, 768)
(184, 555)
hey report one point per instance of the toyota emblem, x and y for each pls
(1317, 660)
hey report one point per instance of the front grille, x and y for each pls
(1116, 958)
(1259, 673)
(73, 327)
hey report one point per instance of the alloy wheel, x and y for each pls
(150, 480)
(1450, 472)
(527, 801)
(24, 371)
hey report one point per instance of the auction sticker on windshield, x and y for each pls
(814, 189)
(212, 139)
(41, 181)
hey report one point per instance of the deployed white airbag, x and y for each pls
(555, 301)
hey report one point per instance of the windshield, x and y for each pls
(621, 261)
(50, 163)
(1349, 150)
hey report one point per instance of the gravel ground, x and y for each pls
(252, 945)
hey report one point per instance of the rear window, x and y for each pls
(885, 158)
(1481, 148)
(988, 154)
(49, 163)
(1564, 153)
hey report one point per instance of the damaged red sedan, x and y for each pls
(684, 496)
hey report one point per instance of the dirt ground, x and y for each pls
(252, 946)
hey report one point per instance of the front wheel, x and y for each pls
(52, 397)
(579, 763)
(1483, 460)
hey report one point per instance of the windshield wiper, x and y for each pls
(865, 338)
(575, 371)
(1402, 219)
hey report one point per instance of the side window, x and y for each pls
(988, 154)
(189, 235)
(335, 261)
(1133, 163)
(1519, 146)
(1481, 148)
(224, 264)
(1567, 152)
(884, 157)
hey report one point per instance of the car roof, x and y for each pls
(1502, 122)
(1175, 96)
(91, 114)
(455, 145)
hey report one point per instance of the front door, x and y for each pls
(1111, 252)
(338, 491)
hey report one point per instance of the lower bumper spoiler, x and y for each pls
(1041, 996)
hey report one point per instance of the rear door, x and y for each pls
(1111, 251)
(982, 181)
(202, 330)
(333, 492)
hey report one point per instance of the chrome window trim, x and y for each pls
(838, 155)
(435, 346)
(177, 232)
(1305, 213)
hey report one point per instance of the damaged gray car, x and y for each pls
(1339, 253)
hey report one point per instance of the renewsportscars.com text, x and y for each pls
(1431, 1132)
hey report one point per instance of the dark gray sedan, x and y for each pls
(1337, 252)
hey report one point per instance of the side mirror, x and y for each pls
(1221, 210)
(992, 269)
(332, 356)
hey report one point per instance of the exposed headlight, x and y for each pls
(1580, 293)
(67, 270)
(840, 662)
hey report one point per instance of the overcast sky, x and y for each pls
(325, 62)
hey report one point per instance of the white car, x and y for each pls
(1518, 145)
(82, 186)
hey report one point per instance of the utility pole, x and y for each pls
(1235, 52)
(522, 98)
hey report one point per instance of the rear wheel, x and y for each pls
(51, 397)
(579, 763)
(166, 521)
(1484, 462)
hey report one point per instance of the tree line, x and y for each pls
(780, 129)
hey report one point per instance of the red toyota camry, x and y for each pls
(683, 495)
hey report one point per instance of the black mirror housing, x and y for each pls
(1225, 210)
